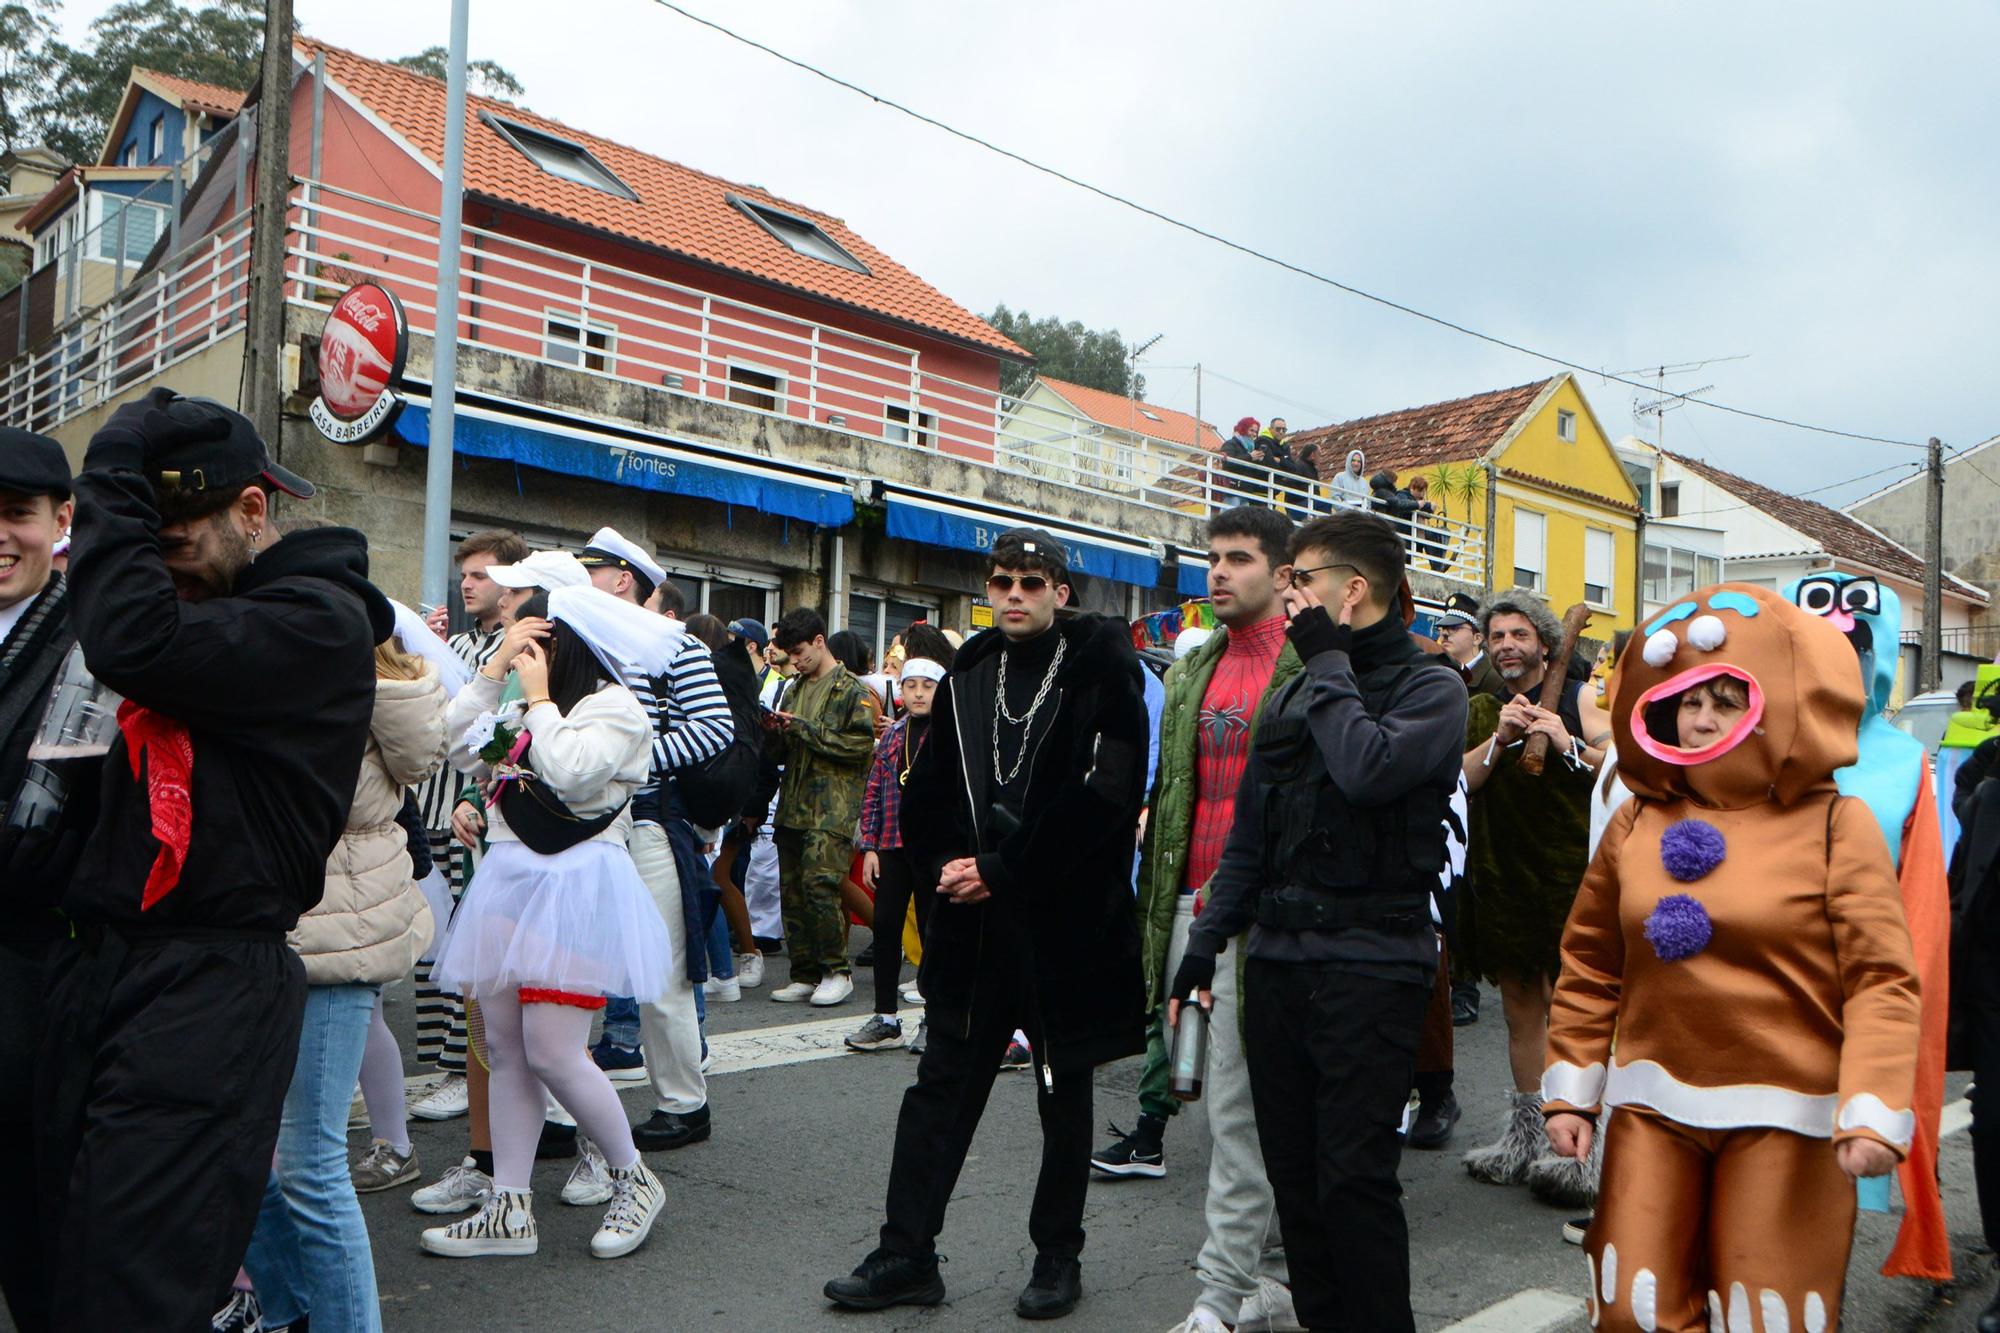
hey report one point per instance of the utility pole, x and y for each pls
(265, 335)
(1207, 465)
(1930, 673)
(444, 325)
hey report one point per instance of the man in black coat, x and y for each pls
(35, 639)
(1021, 811)
(246, 666)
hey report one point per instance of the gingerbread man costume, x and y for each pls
(1740, 933)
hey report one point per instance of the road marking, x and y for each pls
(1956, 1117)
(1532, 1311)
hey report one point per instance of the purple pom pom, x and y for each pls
(1691, 848)
(1679, 927)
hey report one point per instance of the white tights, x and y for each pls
(529, 1046)
(382, 1084)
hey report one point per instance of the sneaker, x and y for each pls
(241, 1315)
(833, 990)
(446, 1100)
(1053, 1291)
(619, 1065)
(913, 996)
(589, 1182)
(1017, 1056)
(922, 1039)
(880, 1033)
(884, 1279)
(504, 1224)
(636, 1199)
(382, 1168)
(866, 958)
(749, 970)
(463, 1187)
(1138, 1153)
(1434, 1123)
(726, 990)
(798, 992)
(1269, 1309)
(1201, 1319)
(1574, 1229)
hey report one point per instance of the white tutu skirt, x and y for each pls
(580, 921)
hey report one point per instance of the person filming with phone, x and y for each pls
(1336, 846)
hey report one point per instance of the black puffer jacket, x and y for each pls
(275, 684)
(1061, 910)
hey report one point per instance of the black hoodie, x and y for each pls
(275, 684)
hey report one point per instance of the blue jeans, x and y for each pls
(311, 1241)
(621, 1022)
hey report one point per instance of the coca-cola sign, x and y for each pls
(362, 348)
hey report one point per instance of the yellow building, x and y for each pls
(1532, 468)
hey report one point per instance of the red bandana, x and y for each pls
(163, 746)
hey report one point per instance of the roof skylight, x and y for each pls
(798, 234)
(559, 157)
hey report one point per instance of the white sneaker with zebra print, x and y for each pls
(505, 1225)
(636, 1198)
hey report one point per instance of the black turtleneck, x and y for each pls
(1027, 662)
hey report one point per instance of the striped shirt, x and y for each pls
(475, 647)
(691, 719)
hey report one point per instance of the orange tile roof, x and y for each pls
(1841, 536)
(1415, 437)
(679, 209)
(201, 96)
(1121, 413)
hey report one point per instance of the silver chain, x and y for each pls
(1027, 722)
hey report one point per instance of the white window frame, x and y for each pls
(1609, 542)
(1539, 570)
(900, 432)
(777, 393)
(131, 157)
(585, 329)
(157, 137)
(1565, 425)
(710, 572)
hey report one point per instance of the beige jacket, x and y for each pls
(373, 922)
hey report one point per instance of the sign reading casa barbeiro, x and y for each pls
(361, 353)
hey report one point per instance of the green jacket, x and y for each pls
(826, 752)
(1163, 858)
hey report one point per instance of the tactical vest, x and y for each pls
(1329, 863)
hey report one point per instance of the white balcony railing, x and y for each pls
(559, 308)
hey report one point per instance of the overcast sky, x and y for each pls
(1619, 184)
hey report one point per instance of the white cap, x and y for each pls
(922, 668)
(547, 570)
(614, 546)
(1189, 639)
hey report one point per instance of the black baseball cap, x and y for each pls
(1459, 609)
(32, 464)
(218, 450)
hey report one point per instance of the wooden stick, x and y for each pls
(1536, 752)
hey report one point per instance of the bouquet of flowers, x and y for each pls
(500, 741)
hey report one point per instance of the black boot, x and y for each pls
(557, 1141)
(884, 1279)
(1436, 1118)
(1053, 1291)
(666, 1130)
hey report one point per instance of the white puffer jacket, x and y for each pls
(373, 922)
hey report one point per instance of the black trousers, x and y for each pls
(23, 1258)
(1976, 977)
(1331, 1055)
(895, 885)
(161, 1081)
(941, 1112)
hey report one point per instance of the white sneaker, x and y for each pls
(836, 988)
(723, 990)
(464, 1186)
(357, 1112)
(798, 992)
(637, 1196)
(446, 1100)
(589, 1181)
(911, 995)
(1201, 1319)
(750, 970)
(505, 1225)
(1269, 1309)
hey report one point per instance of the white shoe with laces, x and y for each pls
(504, 1224)
(1269, 1309)
(636, 1199)
(462, 1188)
(833, 990)
(911, 995)
(750, 970)
(1201, 1319)
(446, 1100)
(589, 1181)
(798, 992)
(723, 990)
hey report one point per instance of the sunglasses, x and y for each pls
(1303, 577)
(1002, 584)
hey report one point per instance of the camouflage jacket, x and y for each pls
(825, 752)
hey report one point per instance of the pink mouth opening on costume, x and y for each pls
(1685, 681)
(1842, 621)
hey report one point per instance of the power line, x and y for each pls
(1907, 469)
(1251, 251)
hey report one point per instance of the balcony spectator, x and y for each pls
(1392, 502)
(1350, 487)
(1247, 476)
(1429, 532)
(1302, 462)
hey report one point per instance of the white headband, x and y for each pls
(422, 641)
(922, 668)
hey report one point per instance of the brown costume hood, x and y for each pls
(1806, 699)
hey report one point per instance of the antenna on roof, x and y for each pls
(1657, 408)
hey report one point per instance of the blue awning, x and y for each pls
(936, 521)
(1192, 578)
(625, 457)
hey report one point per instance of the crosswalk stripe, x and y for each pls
(1957, 1117)
(1532, 1311)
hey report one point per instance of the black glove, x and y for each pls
(1196, 974)
(1313, 632)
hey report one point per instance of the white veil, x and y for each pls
(420, 639)
(625, 637)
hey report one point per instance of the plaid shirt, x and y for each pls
(882, 801)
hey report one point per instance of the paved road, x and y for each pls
(789, 1191)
